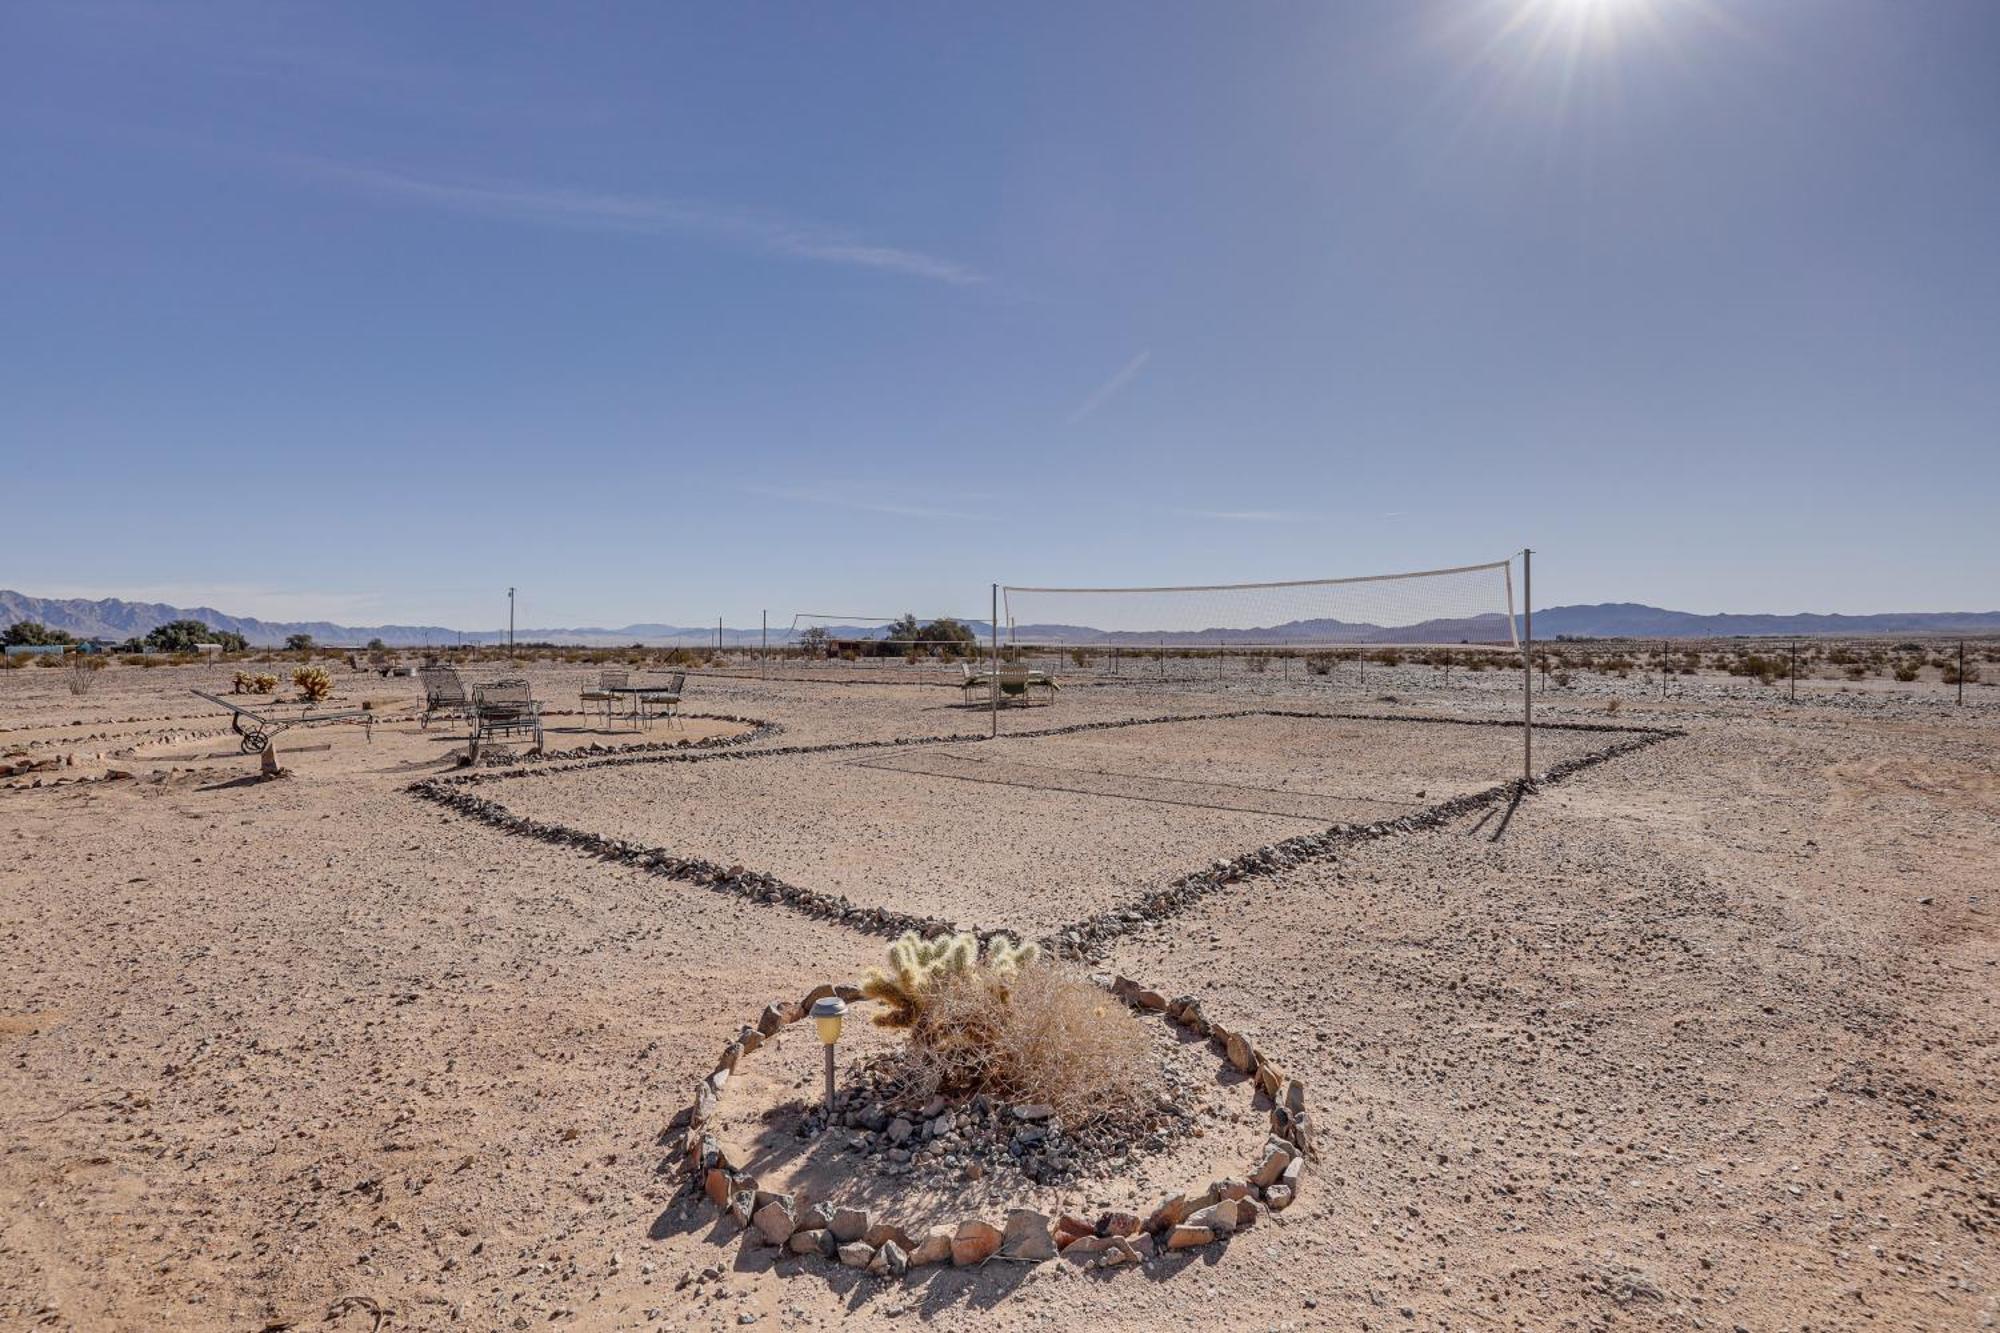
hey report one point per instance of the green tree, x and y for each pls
(813, 641)
(899, 637)
(34, 633)
(376, 645)
(952, 638)
(298, 643)
(179, 636)
(231, 641)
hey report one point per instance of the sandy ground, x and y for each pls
(1702, 1038)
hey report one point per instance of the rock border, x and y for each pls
(854, 1238)
(1087, 939)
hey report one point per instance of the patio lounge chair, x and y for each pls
(444, 695)
(504, 707)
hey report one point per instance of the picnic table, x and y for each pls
(645, 694)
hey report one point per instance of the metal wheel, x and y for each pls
(254, 742)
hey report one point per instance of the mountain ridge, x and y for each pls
(115, 618)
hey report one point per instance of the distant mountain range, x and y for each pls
(118, 620)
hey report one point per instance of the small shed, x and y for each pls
(209, 649)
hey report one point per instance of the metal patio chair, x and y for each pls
(505, 707)
(606, 693)
(664, 701)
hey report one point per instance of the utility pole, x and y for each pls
(1961, 673)
(510, 622)
(1795, 672)
(764, 653)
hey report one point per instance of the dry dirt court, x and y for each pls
(1701, 1038)
(1029, 833)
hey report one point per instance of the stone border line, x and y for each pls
(1089, 938)
(856, 1239)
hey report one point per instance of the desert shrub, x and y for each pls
(1952, 675)
(1258, 663)
(1319, 664)
(1765, 669)
(83, 672)
(1078, 657)
(314, 683)
(1013, 1027)
(1056, 1039)
(1906, 672)
(1389, 657)
(241, 682)
(263, 684)
(1857, 671)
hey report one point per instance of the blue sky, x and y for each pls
(668, 312)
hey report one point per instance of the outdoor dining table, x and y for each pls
(642, 694)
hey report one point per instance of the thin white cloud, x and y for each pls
(646, 214)
(845, 496)
(1111, 388)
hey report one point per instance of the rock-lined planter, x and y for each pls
(854, 1238)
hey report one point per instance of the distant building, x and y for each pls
(209, 649)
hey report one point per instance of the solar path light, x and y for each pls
(826, 1015)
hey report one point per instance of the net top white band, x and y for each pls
(1285, 583)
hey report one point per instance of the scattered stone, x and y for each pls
(856, 1254)
(974, 1243)
(935, 1248)
(774, 1222)
(1027, 1236)
(890, 1259)
(1187, 1237)
(849, 1224)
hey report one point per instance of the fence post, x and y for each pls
(993, 680)
(1961, 673)
(1795, 672)
(1527, 665)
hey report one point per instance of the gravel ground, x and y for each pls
(1701, 1038)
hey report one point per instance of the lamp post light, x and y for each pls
(826, 1015)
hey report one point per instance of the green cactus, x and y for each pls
(917, 965)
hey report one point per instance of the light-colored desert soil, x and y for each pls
(1701, 1038)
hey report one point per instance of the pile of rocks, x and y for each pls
(854, 1238)
(980, 1138)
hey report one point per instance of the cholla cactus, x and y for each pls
(261, 684)
(313, 682)
(242, 683)
(917, 966)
